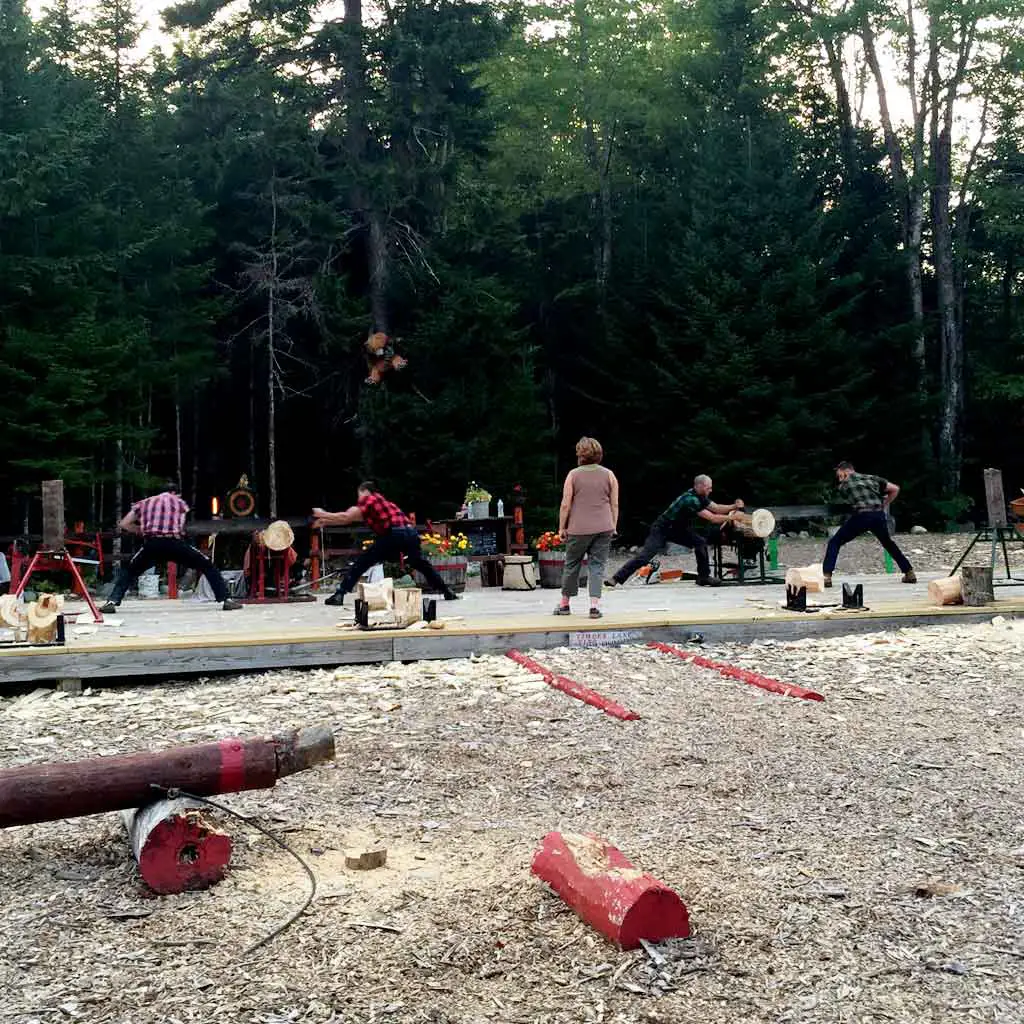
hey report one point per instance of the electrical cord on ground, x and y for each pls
(173, 793)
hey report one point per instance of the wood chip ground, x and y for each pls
(860, 860)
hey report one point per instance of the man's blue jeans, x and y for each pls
(864, 522)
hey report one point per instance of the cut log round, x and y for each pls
(976, 585)
(380, 597)
(42, 618)
(617, 899)
(176, 848)
(810, 576)
(945, 591)
(408, 606)
(763, 523)
(11, 611)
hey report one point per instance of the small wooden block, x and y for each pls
(366, 860)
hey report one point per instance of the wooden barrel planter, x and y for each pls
(452, 569)
(552, 564)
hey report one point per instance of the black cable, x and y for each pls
(173, 793)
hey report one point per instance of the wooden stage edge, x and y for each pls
(176, 657)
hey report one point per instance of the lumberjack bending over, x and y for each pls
(395, 535)
(160, 521)
(676, 524)
(870, 497)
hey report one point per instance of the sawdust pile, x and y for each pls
(857, 860)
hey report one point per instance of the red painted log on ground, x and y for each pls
(744, 675)
(574, 689)
(176, 848)
(48, 792)
(608, 892)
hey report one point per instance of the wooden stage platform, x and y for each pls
(186, 638)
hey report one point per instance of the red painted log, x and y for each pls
(574, 689)
(48, 792)
(615, 898)
(176, 848)
(744, 675)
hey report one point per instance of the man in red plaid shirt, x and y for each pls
(160, 520)
(395, 536)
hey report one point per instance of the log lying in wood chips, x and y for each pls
(176, 847)
(608, 892)
(48, 792)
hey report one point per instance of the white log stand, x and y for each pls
(945, 591)
(176, 848)
(976, 585)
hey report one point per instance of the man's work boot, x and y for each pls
(109, 608)
(336, 599)
(708, 581)
(231, 605)
(909, 577)
(450, 595)
(828, 582)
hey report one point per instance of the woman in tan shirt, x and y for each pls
(587, 519)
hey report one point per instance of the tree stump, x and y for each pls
(976, 585)
(176, 848)
(945, 591)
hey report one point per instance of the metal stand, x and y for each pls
(62, 561)
(740, 566)
(997, 537)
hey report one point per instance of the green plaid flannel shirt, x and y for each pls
(685, 508)
(866, 493)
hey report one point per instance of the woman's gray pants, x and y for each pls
(596, 547)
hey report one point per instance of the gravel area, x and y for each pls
(857, 860)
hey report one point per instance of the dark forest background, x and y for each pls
(690, 230)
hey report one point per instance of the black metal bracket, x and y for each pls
(853, 597)
(796, 599)
(429, 609)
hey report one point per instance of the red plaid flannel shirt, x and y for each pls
(380, 515)
(163, 515)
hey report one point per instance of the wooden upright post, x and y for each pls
(53, 515)
(995, 499)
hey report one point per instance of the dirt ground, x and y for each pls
(857, 860)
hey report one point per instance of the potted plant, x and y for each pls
(478, 501)
(449, 556)
(551, 559)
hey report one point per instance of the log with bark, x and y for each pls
(976, 585)
(42, 618)
(47, 792)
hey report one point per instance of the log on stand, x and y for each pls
(176, 848)
(48, 792)
(812, 577)
(976, 585)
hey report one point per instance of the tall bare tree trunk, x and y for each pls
(118, 495)
(272, 357)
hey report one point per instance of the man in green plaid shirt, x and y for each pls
(870, 497)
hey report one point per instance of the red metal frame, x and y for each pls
(57, 561)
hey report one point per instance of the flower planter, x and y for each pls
(552, 564)
(479, 509)
(452, 569)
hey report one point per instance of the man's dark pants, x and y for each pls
(387, 547)
(864, 522)
(159, 550)
(661, 534)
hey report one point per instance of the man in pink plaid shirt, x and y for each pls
(161, 522)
